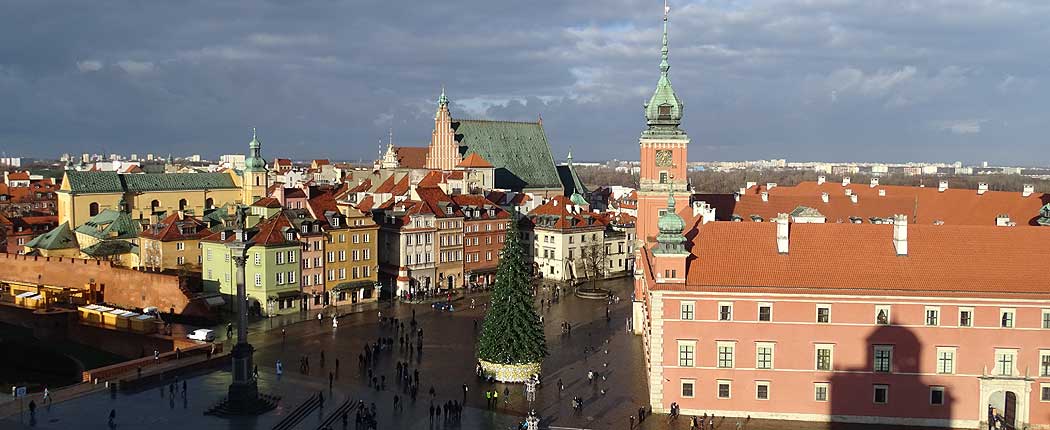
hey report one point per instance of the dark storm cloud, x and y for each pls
(798, 79)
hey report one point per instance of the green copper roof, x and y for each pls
(570, 180)
(254, 162)
(110, 224)
(519, 150)
(112, 182)
(178, 181)
(670, 240)
(108, 248)
(94, 182)
(60, 237)
(663, 112)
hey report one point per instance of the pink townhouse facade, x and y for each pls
(889, 324)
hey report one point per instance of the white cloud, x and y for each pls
(88, 66)
(282, 40)
(960, 126)
(132, 67)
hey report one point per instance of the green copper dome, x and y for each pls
(254, 162)
(670, 240)
(663, 112)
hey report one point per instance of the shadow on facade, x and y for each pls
(901, 396)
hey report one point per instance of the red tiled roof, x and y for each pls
(555, 214)
(861, 258)
(18, 176)
(411, 157)
(436, 201)
(923, 205)
(267, 202)
(271, 231)
(362, 187)
(480, 202)
(366, 203)
(169, 228)
(321, 162)
(282, 162)
(473, 160)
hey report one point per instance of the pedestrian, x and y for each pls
(488, 399)
(112, 417)
(331, 379)
(47, 397)
(431, 413)
(506, 395)
(337, 367)
(255, 372)
(156, 355)
(495, 398)
(320, 399)
(464, 393)
(280, 370)
(632, 422)
(183, 387)
(693, 424)
(32, 410)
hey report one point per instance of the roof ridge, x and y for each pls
(498, 120)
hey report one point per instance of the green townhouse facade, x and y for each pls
(272, 266)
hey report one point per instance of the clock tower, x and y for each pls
(664, 146)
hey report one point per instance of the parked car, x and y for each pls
(203, 334)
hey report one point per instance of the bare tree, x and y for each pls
(593, 258)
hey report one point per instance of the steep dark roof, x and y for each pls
(519, 150)
(112, 182)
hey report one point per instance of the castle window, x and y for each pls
(93, 209)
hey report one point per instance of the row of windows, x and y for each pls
(882, 358)
(880, 393)
(881, 314)
(420, 258)
(449, 256)
(419, 238)
(357, 272)
(488, 227)
(475, 257)
(488, 240)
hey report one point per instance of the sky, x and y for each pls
(836, 80)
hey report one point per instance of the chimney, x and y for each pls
(782, 233)
(821, 179)
(982, 187)
(882, 193)
(824, 197)
(750, 184)
(765, 196)
(412, 193)
(770, 185)
(1029, 189)
(874, 182)
(849, 192)
(853, 198)
(900, 234)
(845, 181)
(743, 190)
(943, 185)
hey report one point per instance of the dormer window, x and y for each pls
(290, 236)
(222, 236)
(448, 210)
(664, 112)
(306, 228)
(317, 228)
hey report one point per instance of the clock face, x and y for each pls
(663, 158)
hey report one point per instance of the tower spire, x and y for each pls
(442, 101)
(664, 66)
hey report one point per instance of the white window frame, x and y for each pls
(1044, 354)
(1013, 317)
(1012, 353)
(732, 354)
(816, 389)
(766, 384)
(889, 314)
(258, 279)
(816, 356)
(772, 355)
(875, 388)
(962, 309)
(1044, 320)
(954, 354)
(720, 305)
(1044, 391)
(817, 316)
(758, 316)
(718, 389)
(691, 344)
(179, 246)
(874, 355)
(682, 310)
(258, 259)
(681, 387)
(936, 311)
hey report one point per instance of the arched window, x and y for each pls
(93, 209)
(154, 205)
(209, 203)
(256, 181)
(182, 204)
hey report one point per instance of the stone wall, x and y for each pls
(126, 288)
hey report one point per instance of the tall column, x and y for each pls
(243, 392)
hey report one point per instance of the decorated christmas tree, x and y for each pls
(512, 333)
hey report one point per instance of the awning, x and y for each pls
(352, 285)
(482, 271)
(214, 301)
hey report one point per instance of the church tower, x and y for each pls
(443, 153)
(255, 181)
(664, 147)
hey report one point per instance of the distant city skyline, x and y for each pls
(801, 80)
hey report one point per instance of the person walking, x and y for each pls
(465, 394)
(280, 369)
(112, 417)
